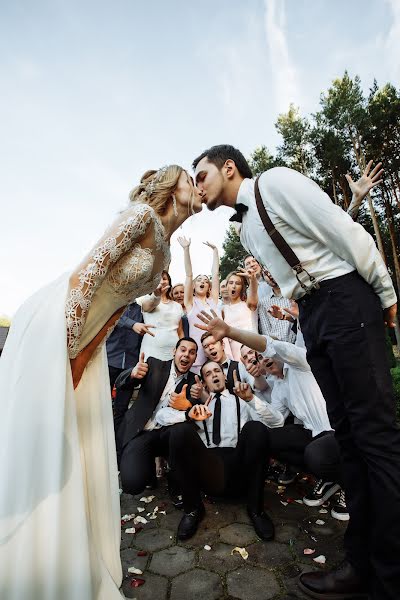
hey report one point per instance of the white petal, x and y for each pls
(140, 509)
(135, 571)
(207, 547)
(320, 559)
(284, 503)
(323, 511)
(147, 499)
(308, 551)
(242, 551)
(130, 530)
(320, 522)
(139, 519)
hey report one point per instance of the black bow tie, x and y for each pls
(240, 210)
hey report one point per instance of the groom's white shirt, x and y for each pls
(326, 240)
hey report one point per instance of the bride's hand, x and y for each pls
(184, 242)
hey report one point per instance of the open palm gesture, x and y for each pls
(366, 182)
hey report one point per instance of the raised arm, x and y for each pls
(215, 272)
(89, 275)
(220, 329)
(363, 186)
(252, 290)
(188, 291)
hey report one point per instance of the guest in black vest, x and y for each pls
(226, 454)
(141, 437)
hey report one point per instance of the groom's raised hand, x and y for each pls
(140, 370)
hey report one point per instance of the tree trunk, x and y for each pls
(334, 187)
(396, 262)
(360, 158)
(395, 190)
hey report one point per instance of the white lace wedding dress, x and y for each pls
(59, 498)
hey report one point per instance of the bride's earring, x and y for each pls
(174, 205)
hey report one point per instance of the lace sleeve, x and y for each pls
(85, 281)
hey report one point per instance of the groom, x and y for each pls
(342, 286)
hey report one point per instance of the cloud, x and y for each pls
(283, 71)
(392, 45)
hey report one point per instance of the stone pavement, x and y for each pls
(176, 570)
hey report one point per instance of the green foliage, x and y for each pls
(396, 386)
(234, 253)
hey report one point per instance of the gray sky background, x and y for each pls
(94, 93)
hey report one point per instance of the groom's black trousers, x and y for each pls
(342, 324)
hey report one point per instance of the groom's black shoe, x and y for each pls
(262, 524)
(343, 583)
(190, 522)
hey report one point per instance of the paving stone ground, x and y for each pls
(174, 570)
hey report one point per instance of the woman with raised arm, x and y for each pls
(59, 502)
(200, 294)
(241, 311)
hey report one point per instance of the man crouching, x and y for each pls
(221, 450)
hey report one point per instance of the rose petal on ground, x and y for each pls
(137, 582)
(289, 500)
(319, 522)
(314, 539)
(299, 501)
(284, 503)
(147, 499)
(242, 551)
(321, 560)
(130, 530)
(162, 512)
(207, 547)
(142, 553)
(323, 511)
(135, 571)
(140, 509)
(308, 551)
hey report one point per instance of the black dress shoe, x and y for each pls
(343, 583)
(189, 523)
(262, 524)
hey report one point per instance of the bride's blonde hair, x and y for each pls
(156, 188)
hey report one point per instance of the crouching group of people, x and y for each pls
(219, 430)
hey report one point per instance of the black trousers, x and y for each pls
(295, 445)
(219, 471)
(136, 462)
(113, 373)
(344, 333)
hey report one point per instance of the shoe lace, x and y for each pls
(317, 485)
(342, 498)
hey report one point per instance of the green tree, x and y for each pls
(295, 150)
(234, 253)
(261, 160)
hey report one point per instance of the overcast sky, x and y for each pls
(93, 93)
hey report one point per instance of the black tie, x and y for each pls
(216, 436)
(240, 210)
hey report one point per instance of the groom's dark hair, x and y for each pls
(218, 155)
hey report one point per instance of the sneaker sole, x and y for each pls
(318, 596)
(340, 516)
(324, 498)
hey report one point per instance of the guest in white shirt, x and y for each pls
(225, 455)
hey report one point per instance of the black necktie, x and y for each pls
(240, 210)
(216, 435)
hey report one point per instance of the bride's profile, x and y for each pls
(59, 499)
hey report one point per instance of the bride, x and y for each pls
(59, 499)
